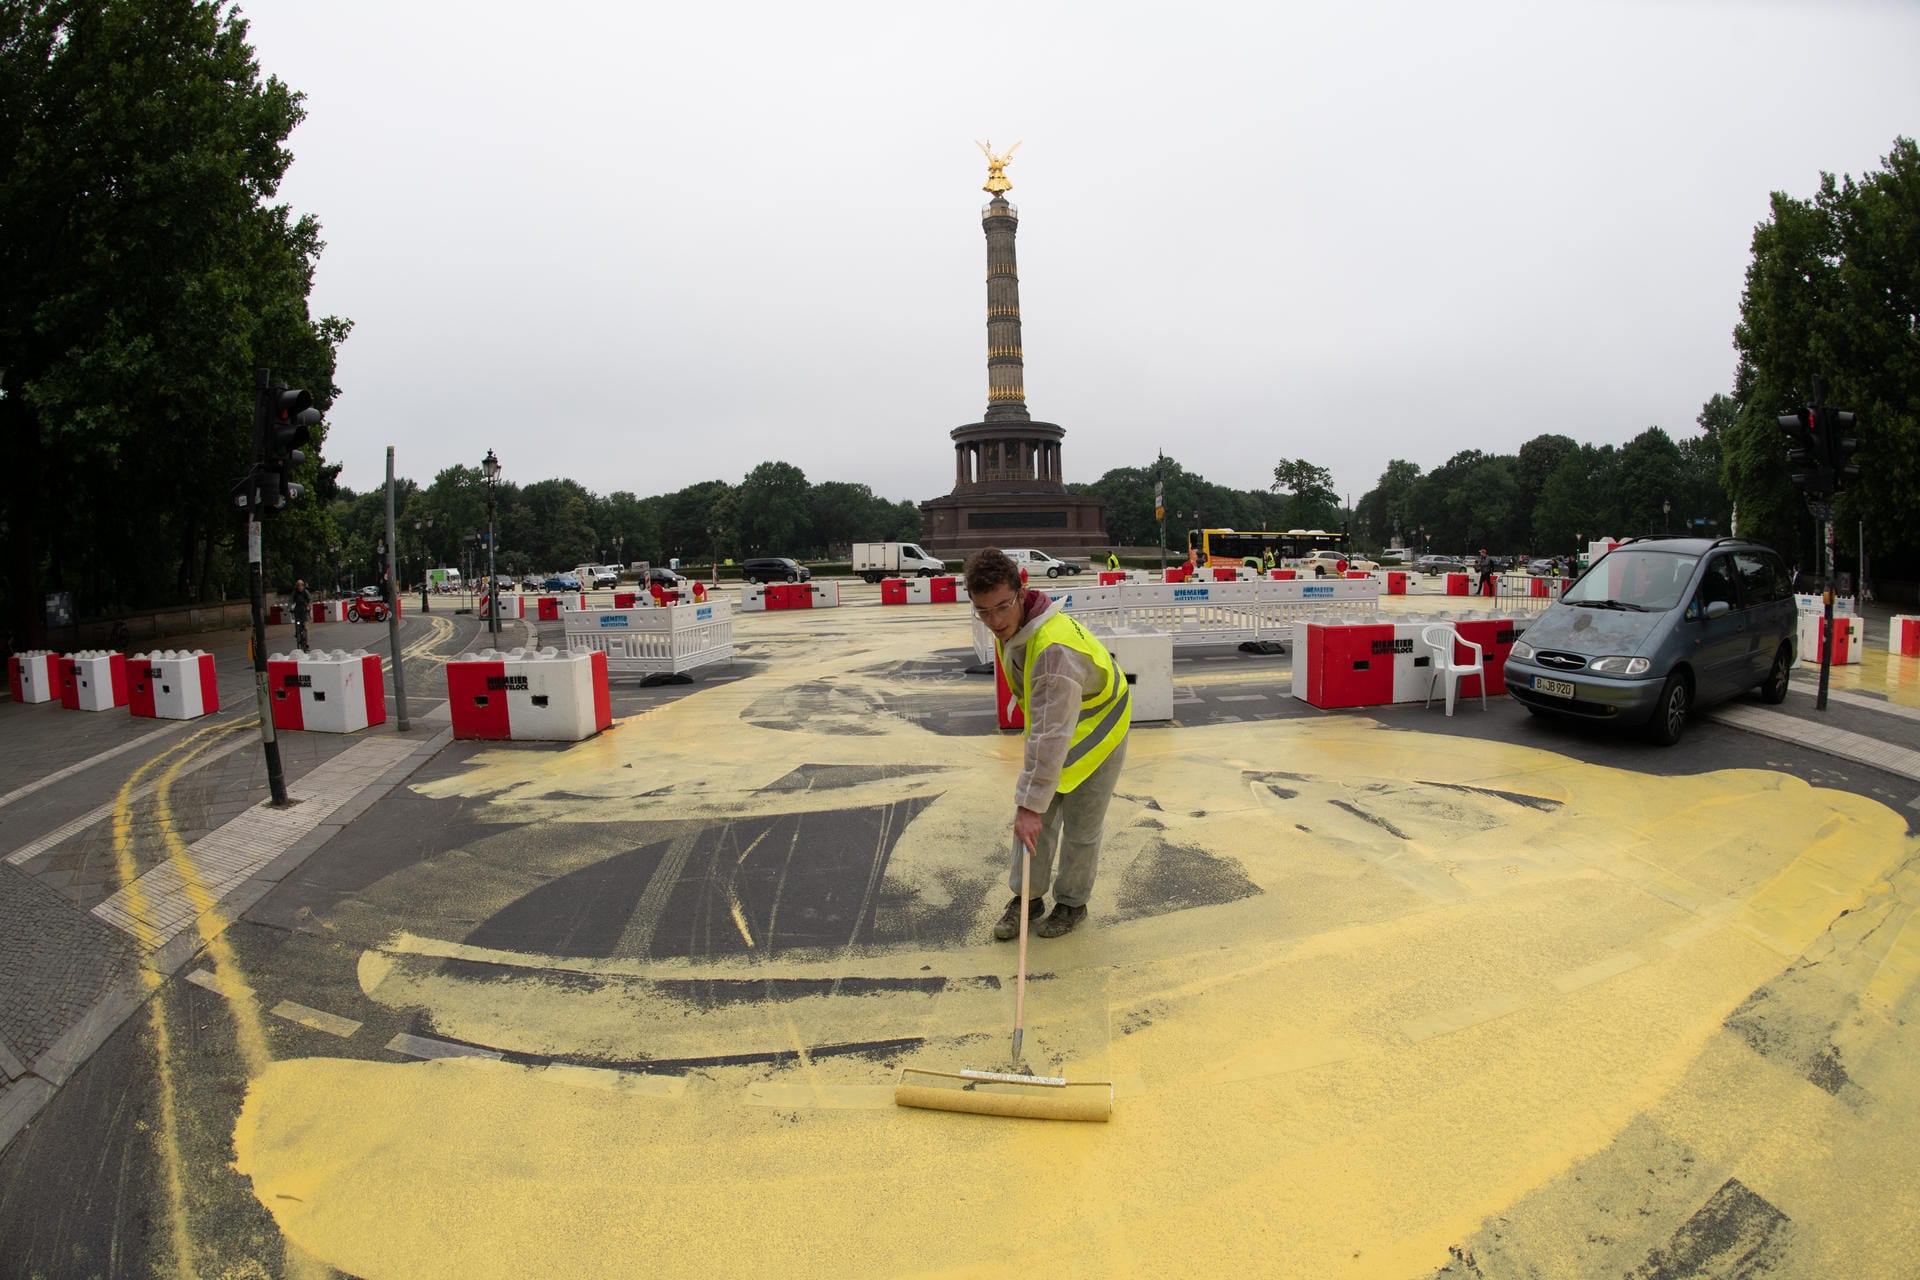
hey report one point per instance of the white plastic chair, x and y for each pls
(1442, 639)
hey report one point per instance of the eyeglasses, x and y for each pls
(999, 610)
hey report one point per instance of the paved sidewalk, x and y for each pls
(96, 906)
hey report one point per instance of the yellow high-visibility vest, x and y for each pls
(1104, 715)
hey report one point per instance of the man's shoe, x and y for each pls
(1062, 920)
(1009, 927)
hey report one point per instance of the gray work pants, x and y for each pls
(1082, 813)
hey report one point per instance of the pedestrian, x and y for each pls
(1113, 560)
(1267, 560)
(1076, 703)
(1484, 566)
(1192, 565)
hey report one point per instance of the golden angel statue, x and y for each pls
(997, 182)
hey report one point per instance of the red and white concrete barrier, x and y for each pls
(1376, 663)
(93, 680)
(1849, 638)
(329, 611)
(513, 606)
(322, 692)
(172, 684)
(529, 695)
(34, 676)
(1903, 635)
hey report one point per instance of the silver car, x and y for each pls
(1657, 627)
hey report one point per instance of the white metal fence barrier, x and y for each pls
(655, 640)
(1208, 613)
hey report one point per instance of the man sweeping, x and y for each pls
(1076, 703)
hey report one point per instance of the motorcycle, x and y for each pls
(366, 609)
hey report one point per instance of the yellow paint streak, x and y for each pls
(249, 1032)
(1400, 1035)
(127, 871)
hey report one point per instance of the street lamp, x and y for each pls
(1666, 512)
(420, 527)
(490, 470)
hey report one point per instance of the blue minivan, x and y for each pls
(1657, 627)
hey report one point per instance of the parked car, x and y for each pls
(665, 578)
(773, 569)
(1325, 564)
(1035, 562)
(1544, 568)
(533, 582)
(1657, 627)
(1439, 564)
(603, 576)
(560, 582)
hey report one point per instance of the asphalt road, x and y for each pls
(1383, 993)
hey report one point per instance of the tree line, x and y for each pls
(555, 524)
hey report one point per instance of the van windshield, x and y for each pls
(1634, 578)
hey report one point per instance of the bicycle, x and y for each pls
(300, 635)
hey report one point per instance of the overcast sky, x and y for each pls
(643, 245)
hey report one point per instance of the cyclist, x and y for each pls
(302, 604)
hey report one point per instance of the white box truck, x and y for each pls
(876, 560)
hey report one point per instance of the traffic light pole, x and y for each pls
(393, 606)
(257, 590)
(1826, 592)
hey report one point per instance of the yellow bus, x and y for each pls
(1291, 549)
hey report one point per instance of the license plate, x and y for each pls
(1558, 688)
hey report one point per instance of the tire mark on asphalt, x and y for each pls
(636, 940)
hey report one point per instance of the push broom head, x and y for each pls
(1000, 1093)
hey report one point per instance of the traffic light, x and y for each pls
(283, 421)
(1804, 453)
(1840, 444)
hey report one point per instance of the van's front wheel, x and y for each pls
(1670, 717)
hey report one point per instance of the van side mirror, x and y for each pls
(1718, 609)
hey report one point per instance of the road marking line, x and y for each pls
(427, 1047)
(319, 1020)
(1242, 697)
(1459, 1019)
(27, 852)
(159, 905)
(1598, 971)
(212, 982)
(958, 715)
(20, 793)
(1856, 747)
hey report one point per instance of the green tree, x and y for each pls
(1833, 290)
(1312, 502)
(697, 523)
(1538, 458)
(1650, 478)
(143, 276)
(773, 514)
(1385, 511)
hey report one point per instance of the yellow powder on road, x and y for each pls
(1461, 968)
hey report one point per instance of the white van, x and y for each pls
(1034, 561)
